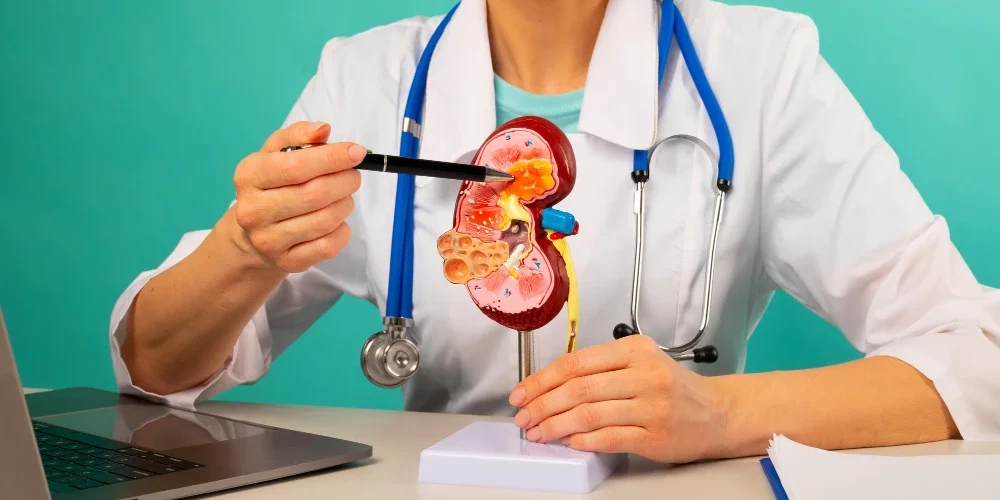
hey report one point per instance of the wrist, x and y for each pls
(745, 430)
(234, 245)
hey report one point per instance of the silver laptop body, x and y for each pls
(86, 443)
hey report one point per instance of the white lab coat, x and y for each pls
(819, 208)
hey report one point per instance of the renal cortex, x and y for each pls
(517, 272)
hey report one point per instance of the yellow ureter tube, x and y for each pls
(573, 301)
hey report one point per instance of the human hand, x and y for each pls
(625, 396)
(291, 206)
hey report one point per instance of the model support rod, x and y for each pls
(525, 359)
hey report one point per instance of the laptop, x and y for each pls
(87, 443)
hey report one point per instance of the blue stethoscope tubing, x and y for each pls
(671, 16)
(399, 301)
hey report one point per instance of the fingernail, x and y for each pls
(534, 434)
(522, 419)
(356, 152)
(315, 126)
(517, 397)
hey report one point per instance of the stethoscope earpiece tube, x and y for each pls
(671, 17)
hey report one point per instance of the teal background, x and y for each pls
(121, 123)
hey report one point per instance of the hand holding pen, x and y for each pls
(293, 197)
(291, 208)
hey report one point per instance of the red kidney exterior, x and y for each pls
(564, 169)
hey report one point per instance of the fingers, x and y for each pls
(620, 439)
(280, 237)
(273, 170)
(261, 208)
(594, 359)
(296, 134)
(585, 418)
(619, 384)
(304, 255)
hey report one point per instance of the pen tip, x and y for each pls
(497, 175)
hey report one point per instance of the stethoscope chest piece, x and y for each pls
(388, 357)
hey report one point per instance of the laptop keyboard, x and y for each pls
(76, 461)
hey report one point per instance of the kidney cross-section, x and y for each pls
(497, 246)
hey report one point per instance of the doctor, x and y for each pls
(819, 208)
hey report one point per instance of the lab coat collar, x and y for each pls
(621, 100)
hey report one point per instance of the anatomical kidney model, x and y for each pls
(507, 245)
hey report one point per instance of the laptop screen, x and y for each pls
(21, 474)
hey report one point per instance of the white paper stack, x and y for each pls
(814, 474)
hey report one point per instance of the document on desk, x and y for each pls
(814, 474)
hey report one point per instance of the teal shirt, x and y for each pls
(561, 109)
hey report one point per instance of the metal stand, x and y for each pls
(525, 360)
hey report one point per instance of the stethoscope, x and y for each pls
(389, 357)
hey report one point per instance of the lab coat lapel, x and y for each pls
(621, 101)
(459, 110)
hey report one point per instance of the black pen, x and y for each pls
(424, 168)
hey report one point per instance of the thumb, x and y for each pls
(297, 134)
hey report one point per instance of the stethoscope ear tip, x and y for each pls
(707, 354)
(622, 330)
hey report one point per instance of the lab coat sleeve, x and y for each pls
(845, 232)
(288, 312)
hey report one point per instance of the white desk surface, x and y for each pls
(398, 437)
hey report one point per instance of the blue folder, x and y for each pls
(772, 477)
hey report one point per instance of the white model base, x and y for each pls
(493, 454)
